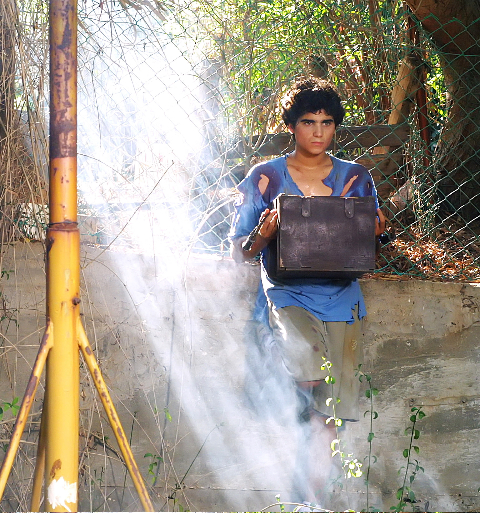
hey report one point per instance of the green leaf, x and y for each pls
(411, 495)
(421, 414)
(399, 493)
(148, 455)
(416, 449)
(375, 415)
(167, 414)
(416, 434)
(406, 452)
(370, 437)
(374, 391)
(328, 401)
(413, 418)
(368, 393)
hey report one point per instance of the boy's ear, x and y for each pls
(291, 128)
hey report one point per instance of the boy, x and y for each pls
(311, 319)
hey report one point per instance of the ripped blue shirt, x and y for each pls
(327, 299)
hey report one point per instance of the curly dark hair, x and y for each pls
(311, 95)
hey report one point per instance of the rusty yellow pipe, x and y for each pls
(114, 419)
(58, 445)
(63, 111)
(39, 473)
(62, 374)
(63, 266)
(45, 346)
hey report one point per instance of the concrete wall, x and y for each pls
(171, 336)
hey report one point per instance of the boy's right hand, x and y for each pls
(269, 227)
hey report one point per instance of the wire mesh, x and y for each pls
(177, 102)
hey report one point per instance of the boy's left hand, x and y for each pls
(379, 222)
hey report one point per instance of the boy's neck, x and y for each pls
(311, 162)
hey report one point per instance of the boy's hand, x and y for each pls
(269, 220)
(379, 223)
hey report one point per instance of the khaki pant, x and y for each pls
(307, 343)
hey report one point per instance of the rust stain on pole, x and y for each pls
(63, 81)
(63, 111)
(57, 465)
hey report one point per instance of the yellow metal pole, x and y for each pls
(58, 444)
(114, 419)
(45, 346)
(63, 266)
(38, 475)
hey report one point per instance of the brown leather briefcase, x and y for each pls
(323, 237)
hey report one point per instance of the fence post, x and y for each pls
(63, 266)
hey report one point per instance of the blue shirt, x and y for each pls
(329, 300)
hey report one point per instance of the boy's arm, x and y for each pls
(265, 231)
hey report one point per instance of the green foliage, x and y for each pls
(6, 406)
(405, 494)
(280, 504)
(351, 466)
(155, 459)
(261, 45)
(98, 477)
(370, 393)
(4, 273)
(167, 414)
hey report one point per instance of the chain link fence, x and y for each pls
(178, 101)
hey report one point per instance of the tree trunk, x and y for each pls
(454, 28)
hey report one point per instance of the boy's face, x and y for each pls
(313, 132)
